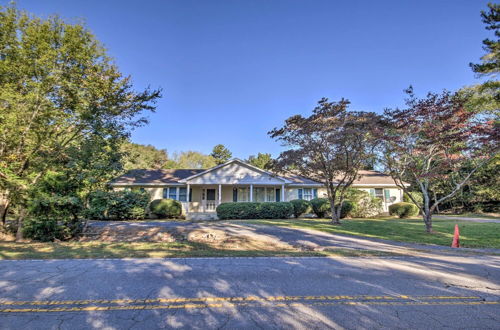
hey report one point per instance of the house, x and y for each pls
(201, 190)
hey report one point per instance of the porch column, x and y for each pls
(283, 193)
(220, 194)
(187, 204)
(251, 193)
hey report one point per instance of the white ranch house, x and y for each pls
(201, 190)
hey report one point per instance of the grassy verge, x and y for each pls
(472, 234)
(86, 250)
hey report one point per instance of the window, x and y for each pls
(379, 193)
(259, 194)
(170, 192)
(307, 193)
(270, 195)
(182, 194)
(243, 195)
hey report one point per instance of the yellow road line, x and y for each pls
(222, 299)
(246, 304)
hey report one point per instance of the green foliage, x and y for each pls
(491, 60)
(403, 210)
(139, 156)
(53, 217)
(268, 210)
(300, 207)
(262, 160)
(320, 206)
(166, 208)
(417, 195)
(190, 159)
(347, 208)
(364, 205)
(221, 154)
(117, 205)
(65, 106)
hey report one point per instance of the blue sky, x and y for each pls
(232, 70)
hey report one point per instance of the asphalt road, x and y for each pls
(305, 293)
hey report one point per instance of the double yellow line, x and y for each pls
(225, 302)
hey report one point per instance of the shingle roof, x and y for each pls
(373, 177)
(155, 176)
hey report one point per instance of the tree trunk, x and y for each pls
(428, 222)
(20, 221)
(4, 207)
(335, 214)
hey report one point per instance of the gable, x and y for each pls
(235, 173)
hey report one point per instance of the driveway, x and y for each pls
(252, 293)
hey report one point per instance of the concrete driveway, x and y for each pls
(252, 293)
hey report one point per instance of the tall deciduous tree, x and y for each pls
(59, 93)
(262, 160)
(143, 156)
(436, 139)
(221, 154)
(329, 146)
(191, 159)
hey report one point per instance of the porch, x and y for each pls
(205, 198)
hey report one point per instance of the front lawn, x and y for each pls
(472, 234)
(86, 250)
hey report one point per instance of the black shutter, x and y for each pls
(235, 194)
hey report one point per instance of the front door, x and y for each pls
(208, 200)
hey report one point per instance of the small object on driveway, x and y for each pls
(456, 238)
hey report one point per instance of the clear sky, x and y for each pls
(232, 70)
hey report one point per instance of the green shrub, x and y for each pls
(300, 207)
(364, 205)
(275, 210)
(320, 207)
(53, 217)
(166, 208)
(347, 207)
(117, 205)
(268, 210)
(403, 210)
(417, 195)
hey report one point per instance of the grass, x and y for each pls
(471, 215)
(472, 234)
(86, 250)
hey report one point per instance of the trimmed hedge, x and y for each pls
(268, 210)
(403, 210)
(320, 206)
(347, 208)
(417, 195)
(300, 207)
(166, 208)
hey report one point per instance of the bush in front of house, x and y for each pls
(364, 205)
(275, 210)
(53, 217)
(300, 207)
(320, 206)
(166, 208)
(346, 209)
(403, 210)
(117, 205)
(417, 195)
(252, 210)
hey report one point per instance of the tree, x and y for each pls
(191, 159)
(329, 146)
(143, 156)
(61, 97)
(221, 154)
(491, 60)
(262, 160)
(433, 140)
